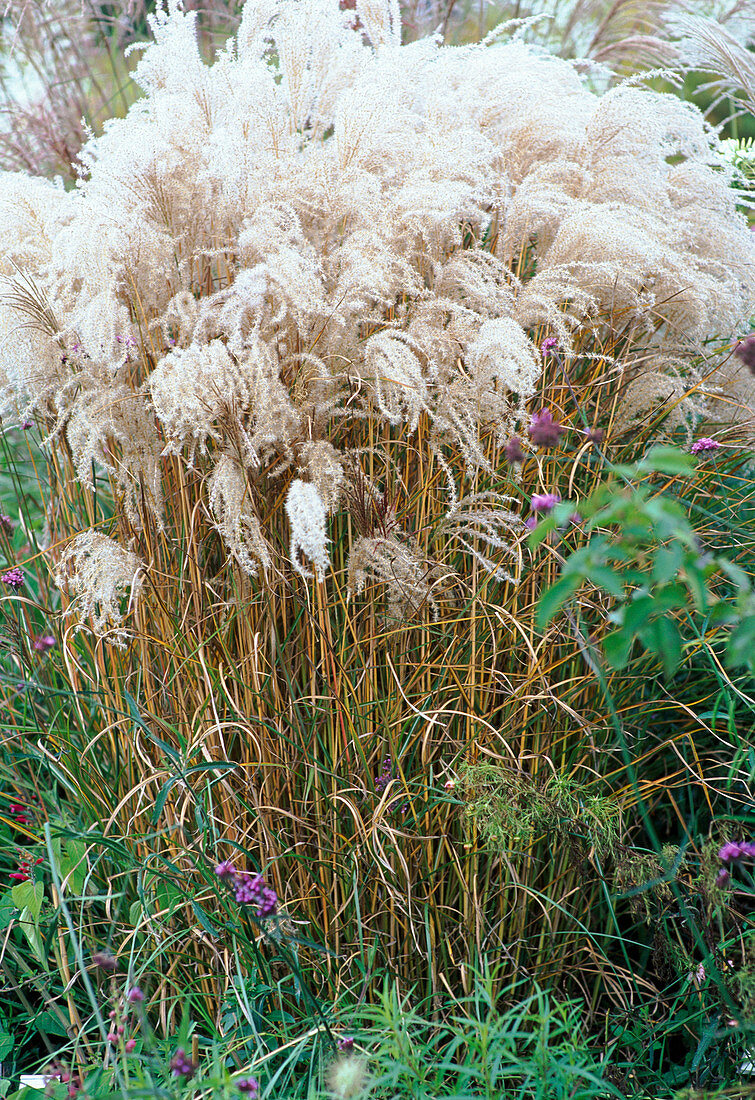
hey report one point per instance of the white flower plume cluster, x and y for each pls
(325, 225)
(100, 575)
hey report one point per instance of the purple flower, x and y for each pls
(14, 578)
(595, 435)
(544, 430)
(26, 424)
(745, 350)
(181, 1065)
(105, 961)
(43, 642)
(513, 450)
(704, 444)
(737, 849)
(346, 1044)
(263, 896)
(249, 1086)
(544, 502)
(225, 870)
(530, 523)
(722, 878)
(386, 775)
(135, 996)
(253, 890)
(548, 345)
(6, 524)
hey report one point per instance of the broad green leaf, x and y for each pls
(741, 648)
(734, 573)
(617, 646)
(661, 636)
(29, 896)
(606, 578)
(73, 865)
(553, 598)
(543, 529)
(637, 613)
(6, 1044)
(667, 460)
(667, 563)
(30, 929)
(8, 911)
(697, 588)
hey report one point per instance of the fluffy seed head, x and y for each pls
(306, 513)
(99, 574)
(347, 1077)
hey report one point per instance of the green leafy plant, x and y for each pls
(644, 552)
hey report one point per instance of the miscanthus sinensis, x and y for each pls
(325, 227)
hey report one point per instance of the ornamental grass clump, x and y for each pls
(290, 342)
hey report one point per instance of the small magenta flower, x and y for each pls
(26, 424)
(249, 1086)
(346, 1044)
(544, 502)
(722, 878)
(737, 849)
(181, 1064)
(129, 1045)
(697, 975)
(225, 870)
(544, 430)
(704, 444)
(14, 578)
(549, 345)
(43, 642)
(6, 524)
(513, 450)
(135, 996)
(595, 435)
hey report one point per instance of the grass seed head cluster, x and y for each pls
(324, 226)
(305, 333)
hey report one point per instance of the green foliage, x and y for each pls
(645, 554)
(535, 1049)
(510, 810)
